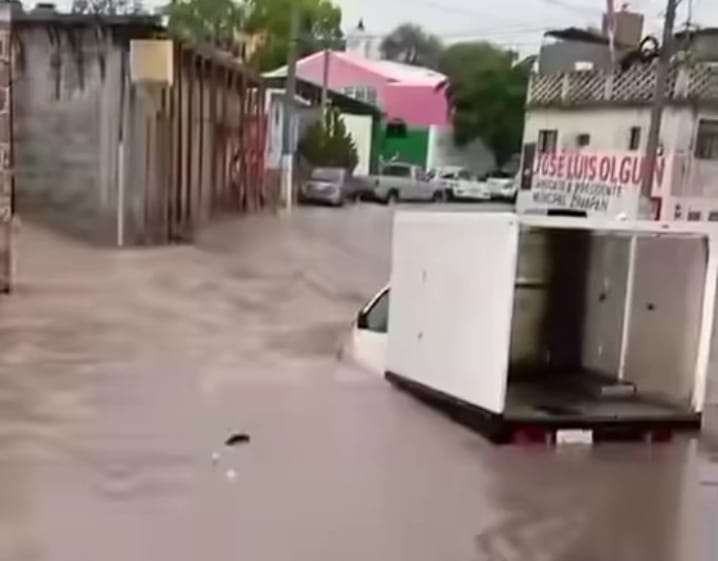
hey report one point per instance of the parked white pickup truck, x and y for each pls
(405, 182)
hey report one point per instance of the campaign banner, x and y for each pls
(594, 182)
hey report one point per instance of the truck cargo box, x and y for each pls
(559, 322)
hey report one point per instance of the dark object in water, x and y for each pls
(237, 438)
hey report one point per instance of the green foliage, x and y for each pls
(487, 92)
(212, 22)
(329, 144)
(410, 44)
(221, 22)
(320, 25)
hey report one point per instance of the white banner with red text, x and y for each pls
(601, 182)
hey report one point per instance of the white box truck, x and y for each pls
(525, 325)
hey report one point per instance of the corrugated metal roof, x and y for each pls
(394, 71)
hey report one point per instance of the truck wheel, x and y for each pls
(439, 197)
(392, 198)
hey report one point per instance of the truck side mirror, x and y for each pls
(362, 322)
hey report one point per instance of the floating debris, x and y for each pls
(237, 438)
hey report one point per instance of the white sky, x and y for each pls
(517, 24)
(513, 23)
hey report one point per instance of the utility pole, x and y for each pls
(288, 121)
(659, 100)
(325, 79)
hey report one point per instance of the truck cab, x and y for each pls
(405, 182)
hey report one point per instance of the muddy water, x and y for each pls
(121, 373)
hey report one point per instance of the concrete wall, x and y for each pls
(704, 47)
(67, 87)
(610, 127)
(118, 162)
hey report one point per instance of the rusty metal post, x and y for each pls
(7, 182)
(200, 147)
(261, 188)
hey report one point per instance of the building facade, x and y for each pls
(608, 113)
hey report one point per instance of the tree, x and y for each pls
(320, 25)
(486, 90)
(410, 44)
(107, 7)
(212, 22)
(328, 143)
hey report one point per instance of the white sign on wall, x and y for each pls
(606, 182)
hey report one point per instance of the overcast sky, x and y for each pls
(515, 23)
(518, 24)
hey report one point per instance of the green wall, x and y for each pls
(412, 148)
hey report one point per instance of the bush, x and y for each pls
(327, 143)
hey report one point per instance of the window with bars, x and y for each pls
(634, 139)
(707, 141)
(547, 140)
(583, 140)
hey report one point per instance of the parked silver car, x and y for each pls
(333, 186)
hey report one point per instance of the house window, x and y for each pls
(583, 140)
(713, 216)
(634, 139)
(694, 216)
(547, 140)
(366, 94)
(396, 129)
(707, 141)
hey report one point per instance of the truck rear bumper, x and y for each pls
(531, 409)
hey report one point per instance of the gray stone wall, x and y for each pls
(6, 164)
(65, 123)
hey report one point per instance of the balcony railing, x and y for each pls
(695, 83)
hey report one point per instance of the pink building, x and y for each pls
(403, 92)
(406, 94)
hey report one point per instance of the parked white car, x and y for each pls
(503, 186)
(460, 184)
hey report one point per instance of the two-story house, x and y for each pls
(606, 112)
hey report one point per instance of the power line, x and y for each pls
(452, 8)
(477, 32)
(577, 8)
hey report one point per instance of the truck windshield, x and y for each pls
(328, 174)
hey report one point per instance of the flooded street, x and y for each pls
(123, 372)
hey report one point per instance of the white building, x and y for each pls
(362, 43)
(609, 112)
